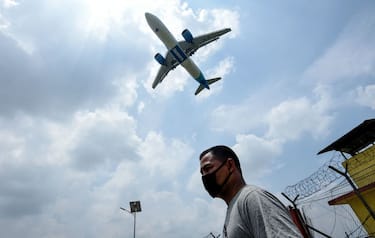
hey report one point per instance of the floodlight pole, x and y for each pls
(133, 213)
(135, 206)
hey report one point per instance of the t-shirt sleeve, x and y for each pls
(265, 216)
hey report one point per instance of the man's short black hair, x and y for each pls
(222, 152)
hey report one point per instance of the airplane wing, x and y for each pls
(202, 40)
(171, 63)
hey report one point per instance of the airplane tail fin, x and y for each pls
(209, 81)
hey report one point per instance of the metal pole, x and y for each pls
(134, 222)
(293, 202)
(135, 206)
(304, 224)
(133, 217)
(316, 230)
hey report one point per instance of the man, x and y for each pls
(251, 212)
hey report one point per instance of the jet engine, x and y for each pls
(187, 35)
(160, 59)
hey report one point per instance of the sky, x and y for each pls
(82, 132)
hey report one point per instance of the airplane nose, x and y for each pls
(147, 15)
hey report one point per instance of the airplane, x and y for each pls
(180, 52)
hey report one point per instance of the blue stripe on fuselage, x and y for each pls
(202, 80)
(178, 54)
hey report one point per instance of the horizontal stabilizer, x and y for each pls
(209, 81)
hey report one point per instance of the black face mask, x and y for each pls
(210, 184)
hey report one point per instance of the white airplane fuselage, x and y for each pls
(172, 45)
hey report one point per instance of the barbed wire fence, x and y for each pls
(211, 235)
(327, 183)
(325, 176)
(317, 181)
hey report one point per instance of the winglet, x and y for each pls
(202, 86)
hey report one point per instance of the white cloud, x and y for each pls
(220, 18)
(291, 118)
(365, 96)
(9, 3)
(60, 179)
(11, 145)
(258, 156)
(102, 138)
(3, 24)
(25, 45)
(223, 68)
(165, 159)
(352, 54)
(140, 107)
(126, 91)
(238, 118)
(194, 184)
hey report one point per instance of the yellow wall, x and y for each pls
(361, 167)
(361, 211)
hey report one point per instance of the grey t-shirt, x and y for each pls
(254, 212)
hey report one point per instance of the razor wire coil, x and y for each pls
(325, 176)
(320, 179)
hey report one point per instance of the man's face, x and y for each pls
(215, 174)
(209, 164)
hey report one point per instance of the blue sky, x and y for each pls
(82, 132)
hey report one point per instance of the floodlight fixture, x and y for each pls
(135, 206)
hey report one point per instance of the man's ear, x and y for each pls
(232, 165)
